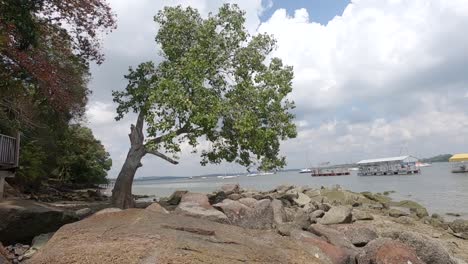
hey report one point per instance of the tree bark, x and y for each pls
(122, 192)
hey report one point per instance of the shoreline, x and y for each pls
(301, 207)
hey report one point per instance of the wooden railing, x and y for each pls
(9, 152)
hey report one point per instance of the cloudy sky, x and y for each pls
(372, 78)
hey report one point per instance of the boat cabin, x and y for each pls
(9, 158)
(459, 163)
(401, 165)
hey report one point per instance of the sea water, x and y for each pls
(436, 188)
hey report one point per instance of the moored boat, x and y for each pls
(459, 163)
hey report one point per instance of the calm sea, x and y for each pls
(439, 190)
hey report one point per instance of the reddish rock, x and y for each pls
(335, 254)
(230, 188)
(387, 251)
(197, 198)
(155, 207)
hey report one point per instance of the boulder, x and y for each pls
(359, 215)
(405, 220)
(414, 207)
(197, 205)
(250, 202)
(175, 197)
(382, 199)
(396, 213)
(37, 243)
(234, 196)
(279, 215)
(459, 226)
(137, 237)
(317, 214)
(83, 212)
(108, 211)
(428, 249)
(230, 188)
(359, 235)
(387, 251)
(327, 252)
(217, 197)
(301, 199)
(22, 220)
(324, 207)
(301, 219)
(156, 207)
(4, 255)
(337, 215)
(331, 235)
(285, 229)
(234, 210)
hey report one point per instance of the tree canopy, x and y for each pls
(217, 85)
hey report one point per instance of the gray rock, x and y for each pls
(279, 215)
(234, 210)
(285, 229)
(250, 202)
(83, 212)
(217, 197)
(317, 214)
(301, 219)
(301, 199)
(405, 220)
(22, 220)
(360, 236)
(230, 188)
(459, 226)
(175, 197)
(155, 207)
(234, 196)
(197, 205)
(108, 211)
(396, 213)
(428, 249)
(362, 215)
(324, 207)
(37, 243)
(331, 235)
(337, 215)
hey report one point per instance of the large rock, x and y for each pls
(197, 205)
(175, 197)
(337, 215)
(387, 251)
(155, 207)
(331, 235)
(428, 249)
(259, 217)
(140, 236)
(396, 213)
(279, 215)
(22, 220)
(4, 255)
(230, 188)
(302, 199)
(359, 235)
(359, 215)
(302, 219)
(110, 210)
(250, 202)
(414, 207)
(234, 210)
(327, 252)
(459, 226)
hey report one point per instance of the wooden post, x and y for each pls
(17, 150)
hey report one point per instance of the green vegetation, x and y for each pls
(438, 158)
(215, 84)
(44, 73)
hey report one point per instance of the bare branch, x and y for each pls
(162, 156)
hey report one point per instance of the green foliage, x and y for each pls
(82, 158)
(215, 84)
(438, 158)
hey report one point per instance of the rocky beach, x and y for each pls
(232, 225)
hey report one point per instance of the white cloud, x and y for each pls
(382, 76)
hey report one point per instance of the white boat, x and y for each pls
(306, 170)
(459, 163)
(229, 177)
(259, 174)
(422, 164)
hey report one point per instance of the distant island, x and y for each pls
(438, 158)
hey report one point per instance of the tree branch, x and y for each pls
(162, 156)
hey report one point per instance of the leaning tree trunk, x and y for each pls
(122, 192)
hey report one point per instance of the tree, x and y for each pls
(215, 84)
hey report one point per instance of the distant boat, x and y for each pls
(307, 170)
(460, 163)
(353, 169)
(259, 174)
(229, 177)
(422, 164)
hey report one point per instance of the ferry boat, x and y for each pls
(402, 165)
(318, 172)
(459, 163)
